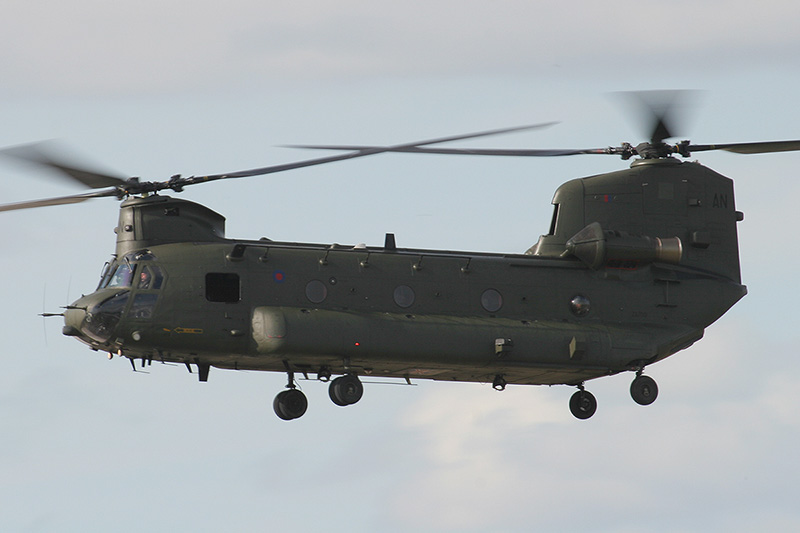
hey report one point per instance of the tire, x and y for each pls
(346, 390)
(290, 404)
(644, 390)
(583, 404)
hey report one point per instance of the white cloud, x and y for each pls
(93, 47)
(518, 460)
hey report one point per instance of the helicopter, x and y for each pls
(636, 264)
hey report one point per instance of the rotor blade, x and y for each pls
(662, 112)
(371, 150)
(463, 151)
(36, 154)
(749, 148)
(658, 105)
(91, 179)
(61, 200)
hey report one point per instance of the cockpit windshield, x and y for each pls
(122, 274)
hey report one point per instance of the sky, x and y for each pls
(152, 89)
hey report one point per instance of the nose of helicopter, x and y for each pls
(94, 317)
(74, 316)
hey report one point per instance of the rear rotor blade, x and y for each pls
(662, 111)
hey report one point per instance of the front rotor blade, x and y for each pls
(524, 152)
(370, 150)
(37, 154)
(61, 200)
(91, 179)
(749, 148)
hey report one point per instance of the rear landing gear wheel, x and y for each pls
(346, 390)
(290, 404)
(583, 404)
(644, 390)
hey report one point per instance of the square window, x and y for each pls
(223, 287)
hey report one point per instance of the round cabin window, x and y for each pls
(580, 305)
(491, 300)
(316, 292)
(404, 296)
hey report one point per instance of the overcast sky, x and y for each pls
(157, 88)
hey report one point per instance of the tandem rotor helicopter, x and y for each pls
(635, 265)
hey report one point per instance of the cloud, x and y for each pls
(713, 446)
(94, 47)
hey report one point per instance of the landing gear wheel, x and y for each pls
(644, 390)
(346, 390)
(290, 404)
(583, 404)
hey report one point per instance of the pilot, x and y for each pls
(144, 280)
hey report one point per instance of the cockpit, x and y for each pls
(123, 273)
(129, 287)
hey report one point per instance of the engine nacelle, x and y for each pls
(597, 247)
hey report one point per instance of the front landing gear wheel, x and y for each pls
(644, 390)
(346, 390)
(583, 404)
(290, 404)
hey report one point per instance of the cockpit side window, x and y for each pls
(150, 277)
(143, 305)
(148, 280)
